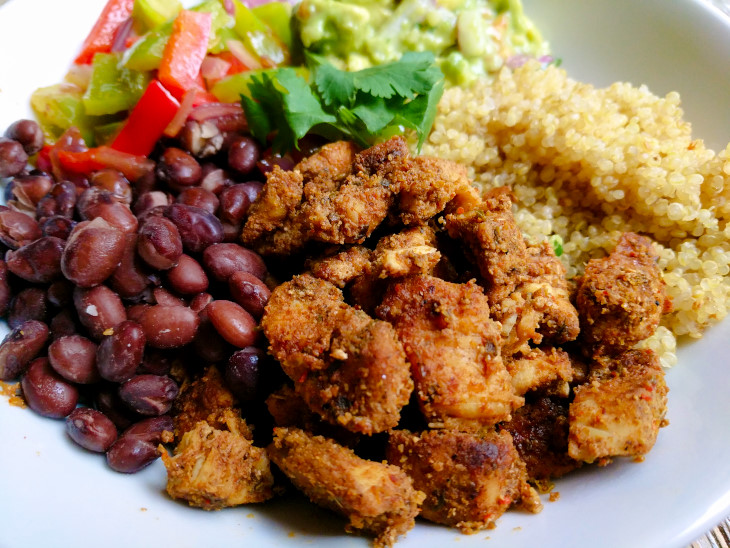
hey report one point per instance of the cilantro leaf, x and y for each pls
(363, 106)
(302, 108)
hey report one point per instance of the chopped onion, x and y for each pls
(213, 69)
(239, 51)
(178, 121)
(204, 112)
(120, 38)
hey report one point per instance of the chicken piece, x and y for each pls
(213, 468)
(376, 159)
(204, 399)
(329, 165)
(279, 198)
(527, 290)
(469, 480)
(548, 292)
(412, 251)
(378, 499)
(619, 411)
(540, 434)
(453, 348)
(343, 267)
(289, 409)
(349, 214)
(540, 368)
(340, 197)
(622, 297)
(349, 368)
(495, 243)
(424, 186)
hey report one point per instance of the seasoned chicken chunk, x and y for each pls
(527, 290)
(343, 267)
(214, 468)
(204, 399)
(469, 480)
(271, 211)
(622, 297)
(453, 348)
(289, 409)
(619, 411)
(377, 498)
(540, 433)
(425, 185)
(547, 291)
(396, 256)
(545, 367)
(348, 367)
(495, 243)
(338, 196)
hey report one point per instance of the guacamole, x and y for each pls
(470, 38)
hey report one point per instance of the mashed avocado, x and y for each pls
(470, 38)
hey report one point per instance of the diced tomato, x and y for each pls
(184, 53)
(102, 34)
(236, 64)
(86, 162)
(147, 121)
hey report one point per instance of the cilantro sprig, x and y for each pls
(362, 106)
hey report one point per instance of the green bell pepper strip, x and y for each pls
(277, 15)
(258, 37)
(150, 14)
(59, 107)
(146, 53)
(112, 88)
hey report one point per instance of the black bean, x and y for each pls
(91, 429)
(13, 158)
(28, 133)
(243, 155)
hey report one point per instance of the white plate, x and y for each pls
(54, 494)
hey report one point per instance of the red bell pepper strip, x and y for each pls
(184, 52)
(151, 115)
(104, 31)
(86, 162)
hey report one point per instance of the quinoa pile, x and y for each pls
(586, 164)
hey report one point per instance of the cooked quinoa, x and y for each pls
(586, 164)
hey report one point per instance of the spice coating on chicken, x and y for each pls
(204, 399)
(619, 411)
(214, 468)
(339, 197)
(348, 367)
(540, 433)
(377, 498)
(621, 298)
(469, 480)
(453, 348)
(526, 286)
(540, 368)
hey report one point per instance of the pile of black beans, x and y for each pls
(116, 291)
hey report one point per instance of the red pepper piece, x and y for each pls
(86, 162)
(151, 115)
(102, 34)
(184, 53)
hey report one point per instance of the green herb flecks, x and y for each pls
(362, 106)
(557, 242)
